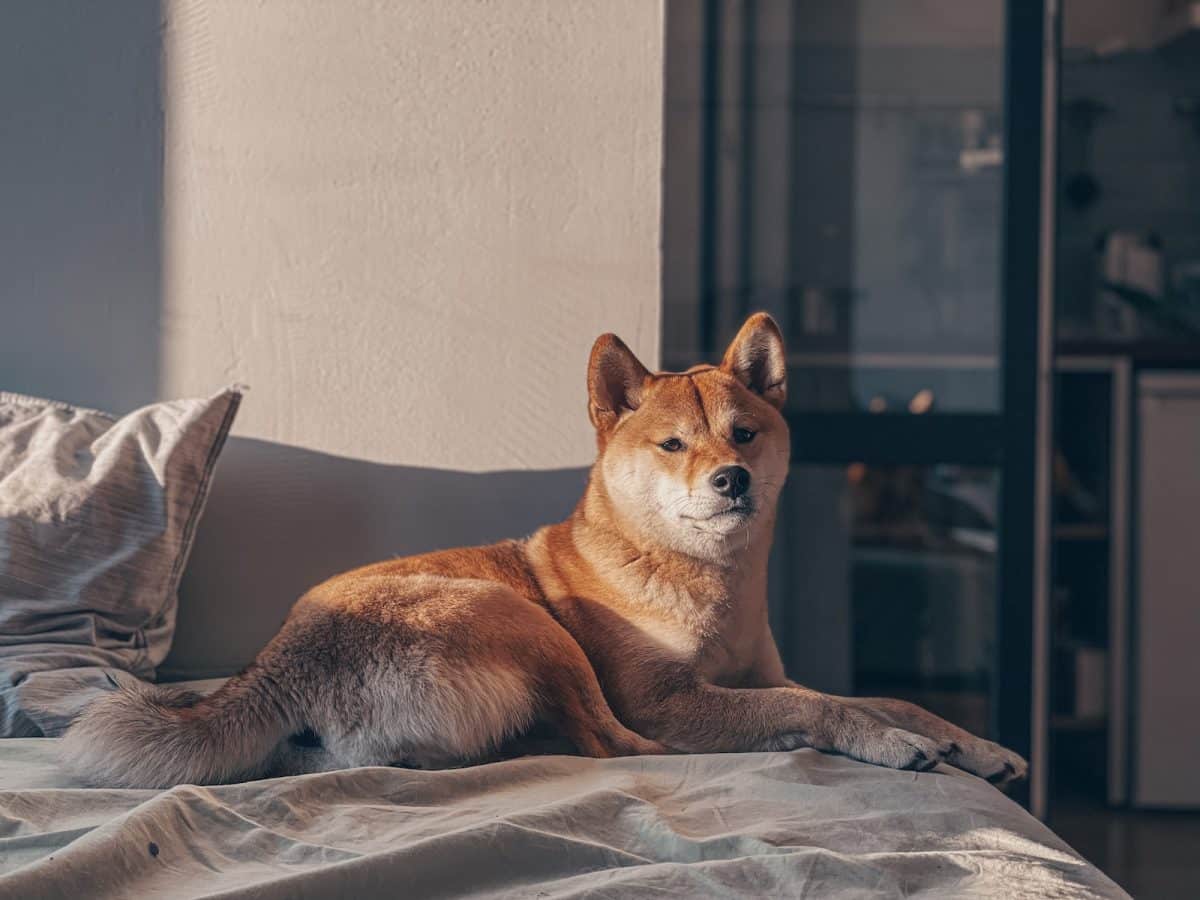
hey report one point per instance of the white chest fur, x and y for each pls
(704, 623)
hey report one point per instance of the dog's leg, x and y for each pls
(454, 669)
(699, 717)
(577, 704)
(966, 751)
(978, 756)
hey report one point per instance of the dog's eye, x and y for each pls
(743, 435)
(672, 445)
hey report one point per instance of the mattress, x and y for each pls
(722, 825)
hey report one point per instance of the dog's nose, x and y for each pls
(730, 481)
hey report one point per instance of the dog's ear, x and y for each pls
(756, 358)
(616, 381)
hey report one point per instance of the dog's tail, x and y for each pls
(147, 736)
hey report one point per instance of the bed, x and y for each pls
(799, 824)
(98, 516)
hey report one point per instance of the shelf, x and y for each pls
(1083, 531)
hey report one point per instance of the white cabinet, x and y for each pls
(1166, 682)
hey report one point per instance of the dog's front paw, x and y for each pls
(900, 749)
(988, 760)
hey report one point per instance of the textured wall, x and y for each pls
(403, 224)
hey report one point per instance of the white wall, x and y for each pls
(402, 224)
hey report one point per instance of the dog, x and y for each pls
(637, 626)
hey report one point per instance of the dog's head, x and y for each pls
(694, 460)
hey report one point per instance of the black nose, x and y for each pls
(731, 481)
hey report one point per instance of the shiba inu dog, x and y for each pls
(636, 626)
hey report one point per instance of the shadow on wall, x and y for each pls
(81, 151)
(281, 519)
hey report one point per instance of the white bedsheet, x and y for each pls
(731, 825)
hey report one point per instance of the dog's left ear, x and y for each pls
(616, 381)
(756, 358)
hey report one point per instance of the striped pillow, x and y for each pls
(97, 516)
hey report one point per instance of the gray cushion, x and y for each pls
(97, 516)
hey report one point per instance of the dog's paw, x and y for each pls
(900, 749)
(988, 760)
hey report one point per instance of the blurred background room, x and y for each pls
(403, 225)
(861, 170)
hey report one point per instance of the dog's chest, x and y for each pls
(730, 648)
(713, 633)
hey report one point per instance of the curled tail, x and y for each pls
(148, 736)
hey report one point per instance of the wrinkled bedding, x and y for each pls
(730, 825)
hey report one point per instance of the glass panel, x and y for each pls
(852, 186)
(1128, 249)
(898, 247)
(887, 586)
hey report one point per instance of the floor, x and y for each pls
(1152, 855)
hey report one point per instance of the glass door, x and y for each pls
(871, 173)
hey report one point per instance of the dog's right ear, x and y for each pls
(616, 382)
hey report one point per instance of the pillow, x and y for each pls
(97, 516)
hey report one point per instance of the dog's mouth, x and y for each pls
(739, 510)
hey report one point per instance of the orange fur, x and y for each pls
(638, 625)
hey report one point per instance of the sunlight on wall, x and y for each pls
(403, 225)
